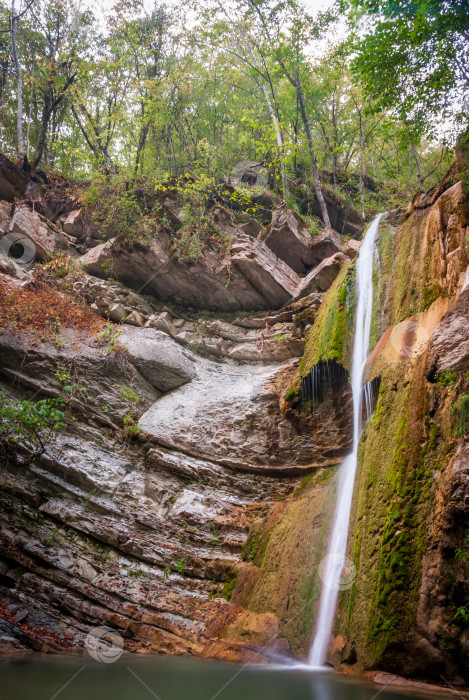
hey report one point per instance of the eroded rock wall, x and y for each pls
(141, 513)
(405, 612)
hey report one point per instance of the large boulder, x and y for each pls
(163, 363)
(231, 414)
(288, 237)
(97, 259)
(269, 275)
(231, 224)
(322, 276)
(45, 240)
(78, 225)
(328, 243)
(252, 277)
(449, 345)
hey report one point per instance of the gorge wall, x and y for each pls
(187, 503)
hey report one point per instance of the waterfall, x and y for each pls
(335, 560)
(466, 280)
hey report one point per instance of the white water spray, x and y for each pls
(338, 542)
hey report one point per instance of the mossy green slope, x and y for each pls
(404, 454)
(285, 550)
(331, 335)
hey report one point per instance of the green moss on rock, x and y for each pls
(403, 446)
(331, 335)
(290, 545)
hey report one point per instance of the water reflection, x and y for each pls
(172, 678)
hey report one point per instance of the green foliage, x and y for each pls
(72, 385)
(195, 220)
(462, 613)
(181, 565)
(109, 336)
(63, 374)
(460, 413)
(131, 428)
(230, 584)
(125, 103)
(446, 378)
(463, 553)
(31, 423)
(128, 213)
(128, 394)
(411, 58)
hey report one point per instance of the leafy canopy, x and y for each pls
(413, 57)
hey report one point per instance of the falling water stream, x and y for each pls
(334, 562)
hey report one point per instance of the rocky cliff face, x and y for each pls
(141, 514)
(187, 503)
(407, 610)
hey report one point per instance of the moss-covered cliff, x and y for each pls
(330, 338)
(406, 611)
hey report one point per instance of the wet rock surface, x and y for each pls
(186, 504)
(144, 531)
(164, 365)
(450, 341)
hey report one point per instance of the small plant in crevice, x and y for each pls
(128, 394)
(446, 378)
(130, 420)
(71, 384)
(87, 497)
(131, 428)
(462, 615)
(181, 565)
(460, 413)
(109, 337)
(463, 553)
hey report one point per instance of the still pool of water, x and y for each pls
(171, 678)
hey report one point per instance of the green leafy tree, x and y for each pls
(413, 57)
(31, 423)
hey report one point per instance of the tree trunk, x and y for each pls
(141, 145)
(417, 163)
(278, 137)
(19, 81)
(362, 162)
(316, 179)
(335, 159)
(46, 115)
